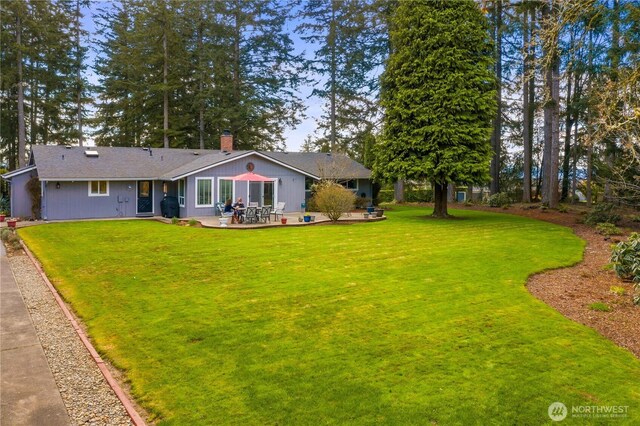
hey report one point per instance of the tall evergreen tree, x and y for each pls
(439, 97)
(351, 40)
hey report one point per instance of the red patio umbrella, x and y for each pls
(252, 177)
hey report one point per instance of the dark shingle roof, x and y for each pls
(322, 165)
(63, 163)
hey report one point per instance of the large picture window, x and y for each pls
(181, 191)
(225, 190)
(204, 195)
(98, 188)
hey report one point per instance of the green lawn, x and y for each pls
(406, 321)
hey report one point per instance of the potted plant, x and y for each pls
(307, 217)
(365, 215)
(3, 214)
(11, 222)
(283, 220)
(313, 218)
(300, 219)
(370, 209)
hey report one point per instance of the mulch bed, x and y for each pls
(572, 290)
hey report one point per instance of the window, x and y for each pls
(204, 197)
(351, 184)
(98, 188)
(181, 188)
(225, 190)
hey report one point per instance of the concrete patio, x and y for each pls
(293, 219)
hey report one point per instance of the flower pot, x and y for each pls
(11, 223)
(379, 212)
(2, 217)
(224, 222)
(300, 219)
(370, 209)
(313, 218)
(283, 220)
(307, 218)
(366, 215)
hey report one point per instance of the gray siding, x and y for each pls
(72, 201)
(290, 188)
(20, 198)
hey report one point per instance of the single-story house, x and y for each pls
(105, 182)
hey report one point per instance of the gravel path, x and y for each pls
(87, 396)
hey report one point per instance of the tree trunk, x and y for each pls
(22, 134)
(550, 161)
(589, 174)
(79, 75)
(440, 200)
(451, 193)
(165, 74)
(496, 137)
(332, 44)
(554, 199)
(567, 138)
(614, 57)
(201, 82)
(574, 165)
(398, 191)
(527, 108)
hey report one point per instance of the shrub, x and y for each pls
(419, 195)
(385, 196)
(333, 199)
(563, 209)
(501, 199)
(174, 220)
(193, 222)
(600, 307)
(635, 218)
(625, 258)
(10, 237)
(602, 213)
(5, 205)
(363, 202)
(617, 290)
(607, 229)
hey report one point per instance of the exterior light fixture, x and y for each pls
(57, 185)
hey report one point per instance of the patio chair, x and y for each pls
(253, 204)
(251, 215)
(279, 210)
(220, 209)
(265, 214)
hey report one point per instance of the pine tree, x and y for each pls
(438, 93)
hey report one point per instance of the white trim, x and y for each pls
(151, 190)
(196, 192)
(233, 189)
(91, 194)
(184, 192)
(248, 153)
(275, 192)
(17, 172)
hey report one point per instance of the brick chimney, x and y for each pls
(226, 141)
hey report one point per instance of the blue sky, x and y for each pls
(294, 137)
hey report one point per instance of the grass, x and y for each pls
(407, 321)
(600, 307)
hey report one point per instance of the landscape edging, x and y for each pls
(113, 384)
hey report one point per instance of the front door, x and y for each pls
(145, 197)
